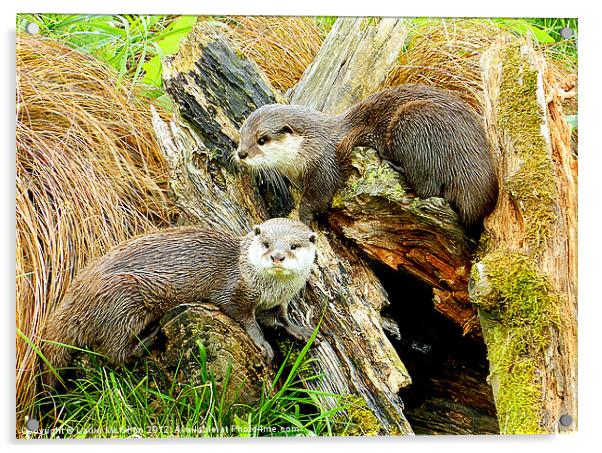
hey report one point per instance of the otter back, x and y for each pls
(129, 289)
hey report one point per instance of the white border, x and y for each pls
(589, 183)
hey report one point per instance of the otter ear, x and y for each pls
(312, 237)
(256, 230)
(286, 129)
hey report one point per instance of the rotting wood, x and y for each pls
(525, 280)
(211, 98)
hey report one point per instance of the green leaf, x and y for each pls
(152, 71)
(174, 33)
(572, 121)
(243, 426)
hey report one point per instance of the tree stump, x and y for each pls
(214, 90)
(524, 282)
(202, 333)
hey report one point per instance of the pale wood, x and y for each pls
(353, 62)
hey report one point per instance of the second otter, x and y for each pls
(434, 137)
(121, 294)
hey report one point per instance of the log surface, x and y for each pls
(354, 47)
(533, 238)
(355, 357)
(195, 330)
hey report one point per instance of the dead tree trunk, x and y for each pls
(352, 48)
(214, 90)
(525, 280)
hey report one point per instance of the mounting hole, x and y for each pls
(31, 424)
(566, 32)
(32, 28)
(566, 420)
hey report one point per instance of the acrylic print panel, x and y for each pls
(433, 165)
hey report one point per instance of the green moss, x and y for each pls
(518, 309)
(521, 116)
(290, 351)
(373, 178)
(360, 421)
(518, 399)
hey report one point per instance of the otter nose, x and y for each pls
(277, 257)
(242, 154)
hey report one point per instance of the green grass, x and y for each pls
(144, 402)
(132, 44)
(546, 31)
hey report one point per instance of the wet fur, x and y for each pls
(433, 137)
(124, 292)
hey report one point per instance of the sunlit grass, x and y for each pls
(142, 402)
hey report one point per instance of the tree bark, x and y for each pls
(525, 280)
(192, 331)
(214, 90)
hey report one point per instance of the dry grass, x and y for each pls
(447, 52)
(89, 175)
(283, 47)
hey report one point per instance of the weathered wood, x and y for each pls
(376, 210)
(355, 357)
(226, 347)
(525, 280)
(353, 62)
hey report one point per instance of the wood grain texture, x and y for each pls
(355, 357)
(535, 220)
(353, 62)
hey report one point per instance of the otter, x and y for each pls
(119, 296)
(434, 138)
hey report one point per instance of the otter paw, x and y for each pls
(266, 351)
(303, 334)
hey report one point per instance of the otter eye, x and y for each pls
(266, 244)
(262, 140)
(294, 246)
(286, 130)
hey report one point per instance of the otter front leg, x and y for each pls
(255, 333)
(278, 317)
(318, 193)
(243, 313)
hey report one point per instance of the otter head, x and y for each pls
(282, 248)
(271, 138)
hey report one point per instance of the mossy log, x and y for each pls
(214, 89)
(192, 331)
(524, 282)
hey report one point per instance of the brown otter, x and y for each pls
(121, 294)
(431, 136)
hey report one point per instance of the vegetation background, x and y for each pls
(90, 174)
